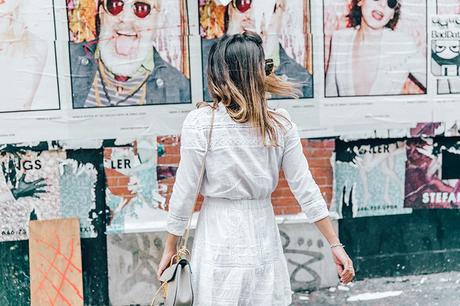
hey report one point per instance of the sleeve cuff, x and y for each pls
(315, 210)
(176, 225)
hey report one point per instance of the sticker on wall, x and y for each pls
(369, 178)
(131, 188)
(432, 178)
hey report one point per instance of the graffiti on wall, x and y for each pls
(133, 261)
(132, 265)
(309, 259)
(55, 262)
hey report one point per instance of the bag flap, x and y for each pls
(169, 273)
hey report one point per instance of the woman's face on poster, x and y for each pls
(127, 31)
(376, 13)
(8, 6)
(260, 16)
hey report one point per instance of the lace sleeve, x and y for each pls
(299, 178)
(192, 151)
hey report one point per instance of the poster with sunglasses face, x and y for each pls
(284, 26)
(28, 74)
(375, 47)
(128, 52)
(445, 52)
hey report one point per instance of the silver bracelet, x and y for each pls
(337, 245)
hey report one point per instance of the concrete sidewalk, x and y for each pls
(433, 289)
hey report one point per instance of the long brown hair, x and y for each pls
(237, 79)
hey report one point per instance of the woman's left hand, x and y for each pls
(165, 261)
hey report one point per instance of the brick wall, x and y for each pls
(318, 153)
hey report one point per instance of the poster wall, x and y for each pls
(107, 69)
(30, 190)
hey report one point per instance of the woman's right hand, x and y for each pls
(344, 264)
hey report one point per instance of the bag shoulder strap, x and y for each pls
(183, 246)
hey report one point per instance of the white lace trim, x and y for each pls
(226, 132)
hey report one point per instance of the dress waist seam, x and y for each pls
(250, 203)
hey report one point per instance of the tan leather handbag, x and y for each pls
(176, 287)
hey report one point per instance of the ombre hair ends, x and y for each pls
(237, 79)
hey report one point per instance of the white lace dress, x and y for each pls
(237, 257)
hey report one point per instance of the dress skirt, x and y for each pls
(237, 256)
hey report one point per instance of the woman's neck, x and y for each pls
(366, 34)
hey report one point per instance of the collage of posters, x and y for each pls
(132, 68)
(376, 177)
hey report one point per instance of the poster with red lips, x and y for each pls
(375, 48)
(128, 52)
